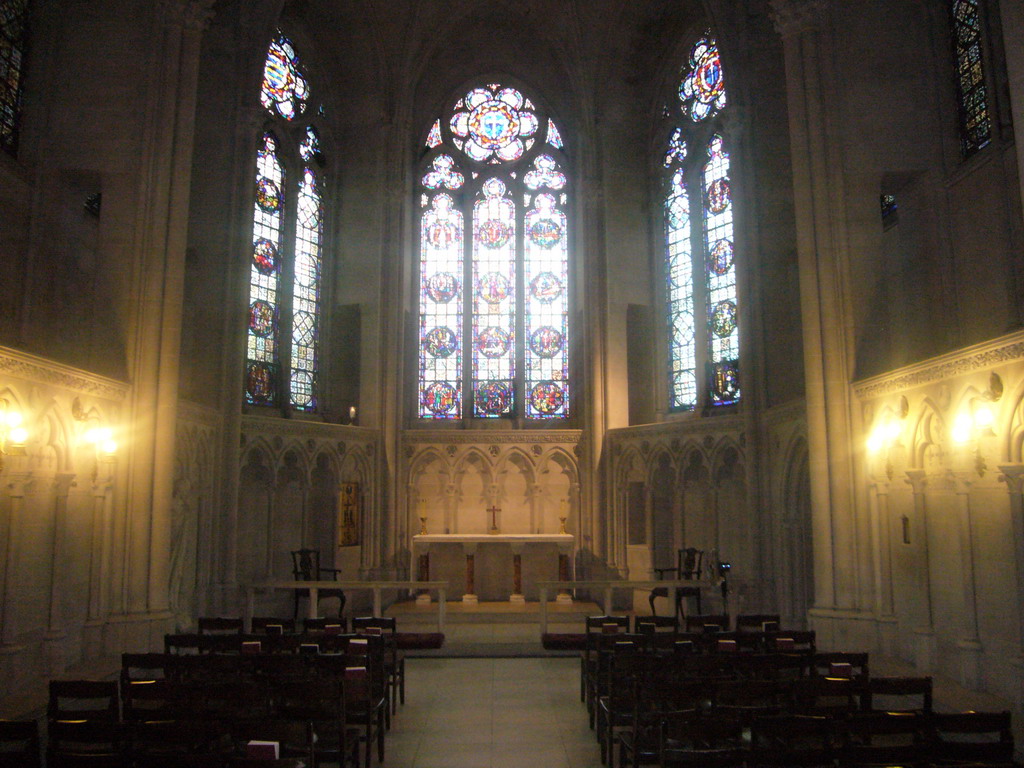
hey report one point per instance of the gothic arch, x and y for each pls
(56, 445)
(928, 445)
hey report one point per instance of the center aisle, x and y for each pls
(492, 713)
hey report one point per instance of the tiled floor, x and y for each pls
(492, 713)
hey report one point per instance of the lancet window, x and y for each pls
(969, 63)
(700, 272)
(13, 45)
(494, 332)
(283, 348)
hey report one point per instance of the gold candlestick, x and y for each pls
(563, 519)
(423, 526)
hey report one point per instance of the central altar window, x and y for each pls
(493, 268)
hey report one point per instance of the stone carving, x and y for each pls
(792, 17)
(945, 367)
(45, 372)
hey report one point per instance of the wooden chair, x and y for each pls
(970, 737)
(269, 625)
(701, 623)
(656, 624)
(825, 664)
(688, 741)
(899, 694)
(184, 743)
(219, 625)
(322, 626)
(788, 741)
(19, 744)
(84, 700)
(320, 701)
(306, 567)
(594, 626)
(755, 622)
(86, 744)
(882, 739)
(688, 566)
(394, 659)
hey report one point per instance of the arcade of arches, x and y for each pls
(835, 405)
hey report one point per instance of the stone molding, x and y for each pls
(793, 17)
(732, 425)
(299, 428)
(488, 437)
(39, 370)
(1005, 349)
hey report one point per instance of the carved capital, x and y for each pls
(189, 14)
(19, 484)
(917, 479)
(794, 17)
(880, 484)
(1013, 476)
(62, 483)
(960, 482)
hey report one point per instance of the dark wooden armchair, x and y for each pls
(688, 564)
(306, 567)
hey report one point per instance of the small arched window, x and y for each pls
(700, 272)
(13, 46)
(287, 240)
(494, 262)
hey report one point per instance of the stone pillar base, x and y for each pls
(969, 663)
(564, 598)
(924, 649)
(468, 599)
(517, 599)
(423, 598)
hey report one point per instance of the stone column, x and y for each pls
(16, 486)
(564, 595)
(55, 633)
(470, 598)
(1013, 476)
(163, 204)
(517, 575)
(1011, 17)
(92, 630)
(924, 635)
(968, 646)
(818, 185)
(881, 535)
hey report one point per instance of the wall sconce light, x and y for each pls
(13, 436)
(887, 433)
(103, 439)
(978, 420)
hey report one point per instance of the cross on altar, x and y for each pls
(494, 510)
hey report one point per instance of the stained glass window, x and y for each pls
(972, 97)
(284, 90)
(700, 274)
(285, 273)
(500, 348)
(13, 43)
(263, 369)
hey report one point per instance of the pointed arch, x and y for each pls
(929, 437)
(494, 214)
(288, 233)
(700, 295)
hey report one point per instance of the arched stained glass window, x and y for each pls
(288, 230)
(494, 307)
(700, 274)
(13, 44)
(969, 61)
